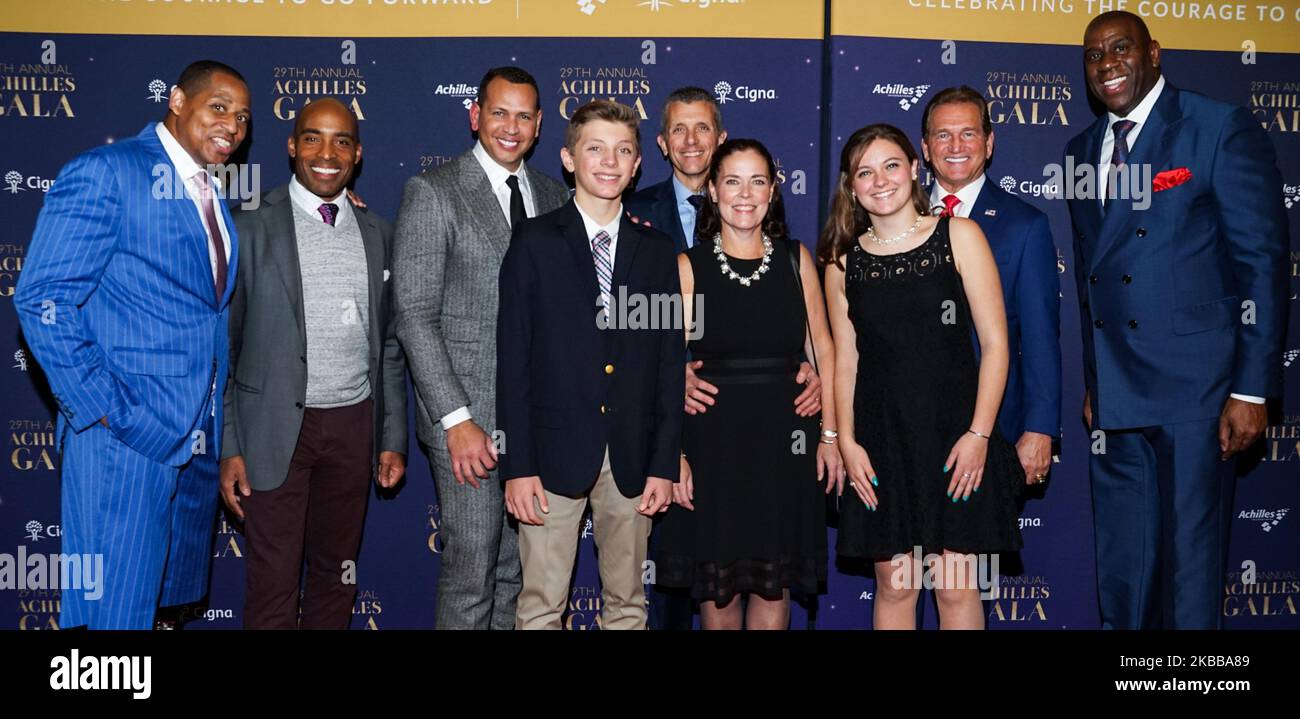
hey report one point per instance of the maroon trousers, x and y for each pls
(318, 512)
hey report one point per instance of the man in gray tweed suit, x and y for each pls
(452, 233)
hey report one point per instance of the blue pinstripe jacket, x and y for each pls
(116, 301)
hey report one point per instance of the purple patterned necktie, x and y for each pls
(1118, 155)
(604, 268)
(329, 211)
(214, 230)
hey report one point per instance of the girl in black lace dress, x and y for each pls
(751, 516)
(917, 411)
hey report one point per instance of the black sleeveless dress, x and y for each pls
(759, 523)
(914, 398)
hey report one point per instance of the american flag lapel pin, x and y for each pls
(991, 213)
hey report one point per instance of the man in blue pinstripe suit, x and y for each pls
(123, 300)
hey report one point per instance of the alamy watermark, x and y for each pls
(657, 311)
(1132, 181)
(80, 572)
(234, 181)
(945, 571)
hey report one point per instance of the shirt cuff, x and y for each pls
(1247, 398)
(454, 418)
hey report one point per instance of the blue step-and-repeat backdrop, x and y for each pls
(800, 75)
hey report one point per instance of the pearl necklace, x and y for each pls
(732, 274)
(871, 233)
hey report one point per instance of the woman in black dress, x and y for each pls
(917, 411)
(752, 514)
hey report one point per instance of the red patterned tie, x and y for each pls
(214, 230)
(950, 203)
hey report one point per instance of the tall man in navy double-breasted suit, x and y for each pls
(1182, 295)
(957, 139)
(124, 302)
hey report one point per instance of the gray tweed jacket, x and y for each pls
(450, 239)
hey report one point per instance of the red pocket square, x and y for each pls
(1171, 178)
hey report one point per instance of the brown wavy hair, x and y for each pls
(709, 222)
(848, 219)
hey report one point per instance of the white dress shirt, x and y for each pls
(497, 179)
(310, 203)
(967, 195)
(186, 169)
(1138, 115)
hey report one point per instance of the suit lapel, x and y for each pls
(543, 199)
(629, 238)
(666, 207)
(373, 241)
(988, 199)
(485, 211)
(575, 238)
(282, 245)
(184, 212)
(1153, 140)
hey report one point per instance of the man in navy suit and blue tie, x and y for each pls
(124, 302)
(1183, 305)
(957, 139)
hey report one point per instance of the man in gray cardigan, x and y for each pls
(314, 359)
(452, 232)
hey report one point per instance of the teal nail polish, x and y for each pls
(874, 483)
(977, 490)
(945, 469)
(966, 498)
(950, 493)
(954, 499)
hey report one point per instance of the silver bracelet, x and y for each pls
(977, 434)
(827, 441)
(830, 433)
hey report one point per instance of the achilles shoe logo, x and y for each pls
(1267, 518)
(1287, 357)
(456, 89)
(589, 6)
(1291, 195)
(156, 89)
(908, 95)
(723, 91)
(75, 672)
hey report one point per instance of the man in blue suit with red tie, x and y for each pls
(1182, 297)
(957, 140)
(124, 302)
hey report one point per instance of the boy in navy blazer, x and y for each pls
(590, 404)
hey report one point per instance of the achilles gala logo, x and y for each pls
(907, 95)
(1276, 105)
(1282, 441)
(39, 89)
(1028, 98)
(1268, 519)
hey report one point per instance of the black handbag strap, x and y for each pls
(793, 247)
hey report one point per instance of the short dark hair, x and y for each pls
(511, 74)
(952, 96)
(1144, 33)
(691, 93)
(606, 110)
(197, 74)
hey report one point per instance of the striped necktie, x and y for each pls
(604, 268)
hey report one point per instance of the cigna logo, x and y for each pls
(742, 93)
(157, 88)
(18, 182)
(1029, 187)
(36, 531)
(908, 95)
